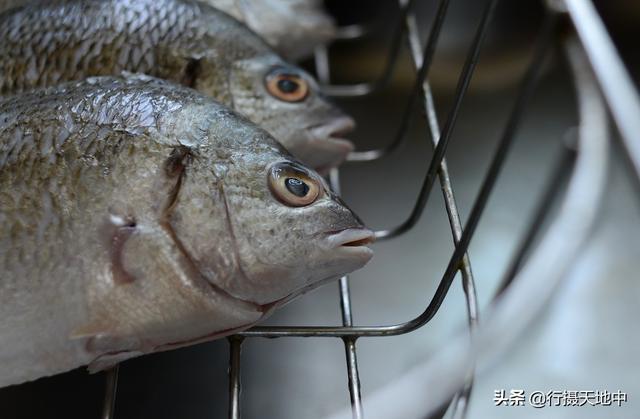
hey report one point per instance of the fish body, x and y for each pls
(293, 27)
(184, 41)
(138, 216)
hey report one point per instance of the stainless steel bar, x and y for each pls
(550, 263)
(524, 94)
(235, 349)
(353, 375)
(424, 66)
(560, 172)
(363, 89)
(526, 91)
(355, 392)
(460, 402)
(443, 142)
(354, 378)
(617, 87)
(111, 388)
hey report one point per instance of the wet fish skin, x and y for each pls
(135, 216)
(293, 27)
(184, 41)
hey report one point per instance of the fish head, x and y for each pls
(287, 102)
(284, 233)
(306, 234)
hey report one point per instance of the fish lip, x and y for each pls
(329, 148)
(353, 238)
(335, 128)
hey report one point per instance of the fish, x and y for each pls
(294, 28)
(139, 216)
(184, 41)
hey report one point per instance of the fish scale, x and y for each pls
(183, 41)
(141, 216)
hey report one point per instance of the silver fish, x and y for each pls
(184, 41)
(139, 216)
(293, 27)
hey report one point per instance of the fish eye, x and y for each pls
(296, 187)
(288, 87)
(293, 185)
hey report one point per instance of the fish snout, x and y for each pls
(352, 243)
(335, 128)
(327, 147)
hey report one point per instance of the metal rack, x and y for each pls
(623, 105)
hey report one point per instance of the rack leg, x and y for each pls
(109, 405)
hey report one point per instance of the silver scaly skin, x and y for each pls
(292, 27)
(185, 41)
(139, 216)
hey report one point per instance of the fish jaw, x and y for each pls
(336, 253)
(350, 243)
(324, 147)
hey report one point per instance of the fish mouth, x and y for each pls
(334, 130)
(328, 145)
(353, 241)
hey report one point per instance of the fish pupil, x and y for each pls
(287, 86)
(296, 187)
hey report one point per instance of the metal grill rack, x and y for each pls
(566, 22)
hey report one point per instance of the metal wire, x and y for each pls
(625, 108)
(512, 316)
(235, 348)
(347, 320)
(111, 388)
(363, 89)
(560, 172)
(424, 65)
(443, 142)
(461, 248)
(617, 87)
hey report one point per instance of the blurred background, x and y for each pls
(588, 337)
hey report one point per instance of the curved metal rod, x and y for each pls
(617, 86)
(443, 142)
(425, 65)
(445, 181)
(524, 94)
(363, 89)
(560, 172)
(460, 402)
(427, 386)
(351, 356)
